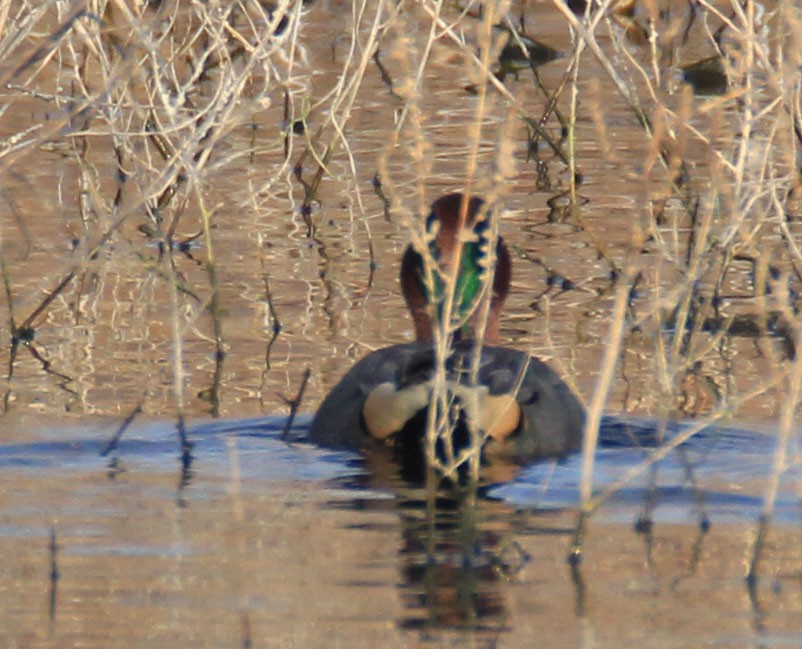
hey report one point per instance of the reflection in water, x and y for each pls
(53, 578)
(450, 567)
(460, 551)
(281, 543)
(248, 552)
(457, 551)
(89, 346)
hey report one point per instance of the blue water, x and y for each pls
(720, 474)
(283, 537)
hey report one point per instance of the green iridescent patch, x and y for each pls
(470, 281)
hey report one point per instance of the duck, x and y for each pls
(522, 53)
(523, 410)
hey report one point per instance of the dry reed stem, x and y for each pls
(345, 94)
(600, 393)
(699, 261)
(140, 86)
(588, 38)
(609, 490)
(443, 333)
(788, 415)
(409, 88)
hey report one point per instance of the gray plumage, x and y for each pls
(552, 417)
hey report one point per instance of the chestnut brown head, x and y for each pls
(454, 219)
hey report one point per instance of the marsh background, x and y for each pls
(201, 201)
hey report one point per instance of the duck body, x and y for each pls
(541, 417)
(514, 403)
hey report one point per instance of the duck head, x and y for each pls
(455, 220)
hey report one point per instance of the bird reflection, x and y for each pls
(457, 549)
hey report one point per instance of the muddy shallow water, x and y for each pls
(276, 543)
(272, 542)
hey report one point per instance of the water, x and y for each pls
(281, 543)
(269, 543)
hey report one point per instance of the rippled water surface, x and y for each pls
(264, 540)
(269, 542)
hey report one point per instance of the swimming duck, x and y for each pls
(521, 406)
